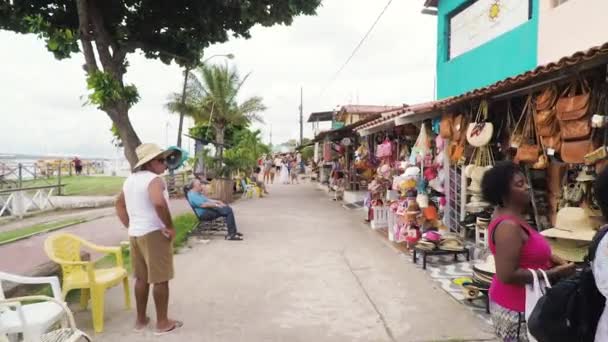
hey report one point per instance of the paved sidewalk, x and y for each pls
(309, 270)
(24, 255)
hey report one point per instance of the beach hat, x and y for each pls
(584, 177)
(486, 267)
(569, 250)
(475, 187)
(572, 223)
(148, 152)
(412, 171)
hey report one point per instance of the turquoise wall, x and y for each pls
(509, 54)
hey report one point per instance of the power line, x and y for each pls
(358, 46)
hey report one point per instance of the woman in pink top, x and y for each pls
(516, 247)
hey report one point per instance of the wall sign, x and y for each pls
(483, 20)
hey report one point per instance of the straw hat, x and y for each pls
(572, 223)
(451, 244)
(148, 152)
(487, 266)
(569, 250)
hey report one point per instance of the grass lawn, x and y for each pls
(83, 185)
(17, 234)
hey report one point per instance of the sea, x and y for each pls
(104, 166)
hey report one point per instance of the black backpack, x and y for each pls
(570, 310)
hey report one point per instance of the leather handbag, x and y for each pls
(553, 142)
(479, 132)
(456, 152)
(546, 99)
(573, 152)
(572, 112)
(458, 124)
(445, 126)
(546, 123)
(530, 149)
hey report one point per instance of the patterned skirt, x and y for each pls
(509, 326)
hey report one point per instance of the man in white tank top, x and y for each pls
(143, 207)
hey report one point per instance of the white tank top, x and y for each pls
(142, 215)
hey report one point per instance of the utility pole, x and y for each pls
(301, 116)
(270, 135)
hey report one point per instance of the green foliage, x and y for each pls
(62, 42)
(308, 152)
(164, 30)
(231, 133)
(106, 90)
(248, 149)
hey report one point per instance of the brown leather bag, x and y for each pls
(546, 99)
(458, 127)
(456, 152)
(546, 123)
(445, 126)
(527, 153)
(553, 142)
(572, 112)
(573, 152)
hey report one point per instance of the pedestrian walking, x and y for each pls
(517, 247)
(143, 208)
(77, 166)
(267, 170)
(284, 176)
(293, 174)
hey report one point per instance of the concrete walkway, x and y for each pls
(308, 270)
(106, 231)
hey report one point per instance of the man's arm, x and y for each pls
(156, 190)
(121, 209)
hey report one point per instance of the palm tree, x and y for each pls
(214, 94)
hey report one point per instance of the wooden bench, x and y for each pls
(426, 253)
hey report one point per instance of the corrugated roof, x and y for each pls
(596, 53)
(366, 109)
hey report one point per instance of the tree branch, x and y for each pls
(103, 42)
(85, 36)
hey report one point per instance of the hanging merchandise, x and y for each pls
(385, 149)
(573, 111)
(457, 144)
(422, 147)
(327, 152)
(529, 149)
(479, 132)
(545, 117)
(445, 126)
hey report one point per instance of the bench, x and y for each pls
(206, 226)
(426, 253)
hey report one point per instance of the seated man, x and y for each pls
(209, 209)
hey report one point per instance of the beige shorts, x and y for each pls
(152, 257)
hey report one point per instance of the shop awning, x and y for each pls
(403, 116)
(342, 132)
(321, 116)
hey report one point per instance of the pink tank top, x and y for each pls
(535, 254)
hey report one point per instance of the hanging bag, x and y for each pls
(574, 152)
(479, 132)
(545, 118)
(445, 126)
(529, 150)
(572, 110)
(385, 150)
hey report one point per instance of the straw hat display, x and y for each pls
(572, 223)
(585, 177)
(451, 242)
(570, 250)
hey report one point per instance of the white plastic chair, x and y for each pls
(33, 316)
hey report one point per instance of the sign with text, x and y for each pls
(484, 20)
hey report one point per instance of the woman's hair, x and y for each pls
(600, 189)
(496, 182)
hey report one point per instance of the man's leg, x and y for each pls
(230, 220)
(142, 288)
(161, 301)
(160, 253)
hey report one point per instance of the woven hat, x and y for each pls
(451, 244)
(487, 266)
(572, 223)
(569, 250)
(148, 152)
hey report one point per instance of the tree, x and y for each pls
(108, 30)
(215, 98)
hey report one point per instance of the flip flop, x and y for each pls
(143, 327)
(176, 325)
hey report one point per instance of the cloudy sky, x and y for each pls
(41, 102)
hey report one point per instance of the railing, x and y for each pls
(17, 202)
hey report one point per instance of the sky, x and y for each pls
(42, 102)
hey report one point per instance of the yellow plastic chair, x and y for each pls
(64, 249)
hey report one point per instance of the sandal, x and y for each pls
(238, 234)
(234, 237)
(143, 327)
(176, 325)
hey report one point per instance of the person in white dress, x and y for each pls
(284, 177)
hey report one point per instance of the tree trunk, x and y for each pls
(219, 139)
(182, 109)
(127, 134)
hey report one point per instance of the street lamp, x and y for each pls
(228, 55)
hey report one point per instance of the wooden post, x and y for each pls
(70, 169)
(20, 176)
(59, 179)
(35, 171)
